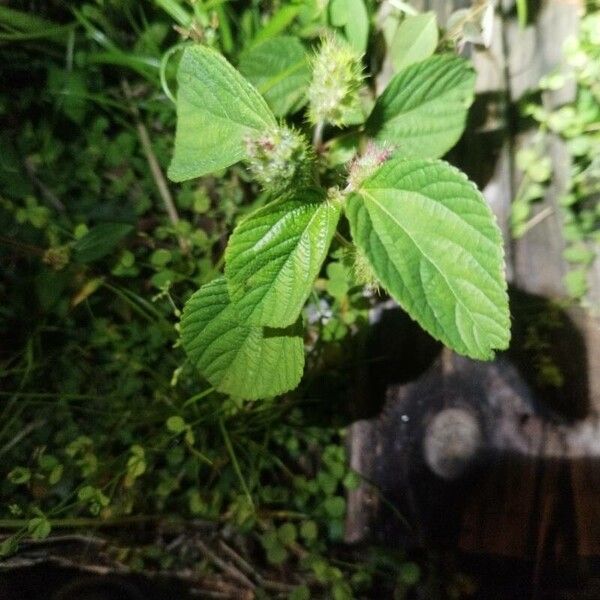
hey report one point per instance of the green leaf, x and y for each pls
(353, 17)
(19, 475)
(415, 40)
(244, 361)
(410, 573)
(280, 70)
(335, 507)
(356, 28)
(576, 282)
(309, 530)
(39, 527)
(100, 241)
(176, 424)
(217, 109)
(579, 253)
(434, 244)
(287, 534)
(277, 554)
(338, 12)
(302, 592)
(278, 22)
(274, 256)
(424, 108)
(10, 546)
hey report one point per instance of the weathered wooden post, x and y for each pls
(505, 457)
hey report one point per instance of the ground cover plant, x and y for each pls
(575, 124)
(140, 315)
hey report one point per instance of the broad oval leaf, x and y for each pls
(434, 244)
(217, 109)
(238, 359)
(280, 70)
(415, 40)
(274, 255)
(424, 108)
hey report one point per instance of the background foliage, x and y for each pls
(102, 422)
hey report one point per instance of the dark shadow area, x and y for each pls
(550, 354)
(530, 11)
(391, 351)
(51, 582)
(521, 527)
(397, 350)
(479, 148)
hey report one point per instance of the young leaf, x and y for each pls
(415, 40)
(217, 109)
(353, 16)
(244, 361)
(433, 242)
(275, 254)
(424, 108)
(278, 22)
(280, 70)
(356, 28)
(338, 12)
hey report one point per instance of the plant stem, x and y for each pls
(22, 434)
(537, 219)
(157, 174)
(175, 11)
(343, 241)
(318, 135)
(75, 522)
(234, 462)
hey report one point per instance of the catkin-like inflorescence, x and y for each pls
(336, 81)
(363, 271)
(366, 164)
(278, 158)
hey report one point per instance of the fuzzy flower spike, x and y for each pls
(336, 81)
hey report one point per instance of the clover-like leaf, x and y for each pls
(274, 255)
(434, 244)
(217, 110)
(239, 359)
(423, 109)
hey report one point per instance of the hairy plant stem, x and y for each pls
(317, 140)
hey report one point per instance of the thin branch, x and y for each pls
(247, 567)
(23, 433)
(45, 191)
(224, 566)
(537, 219)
